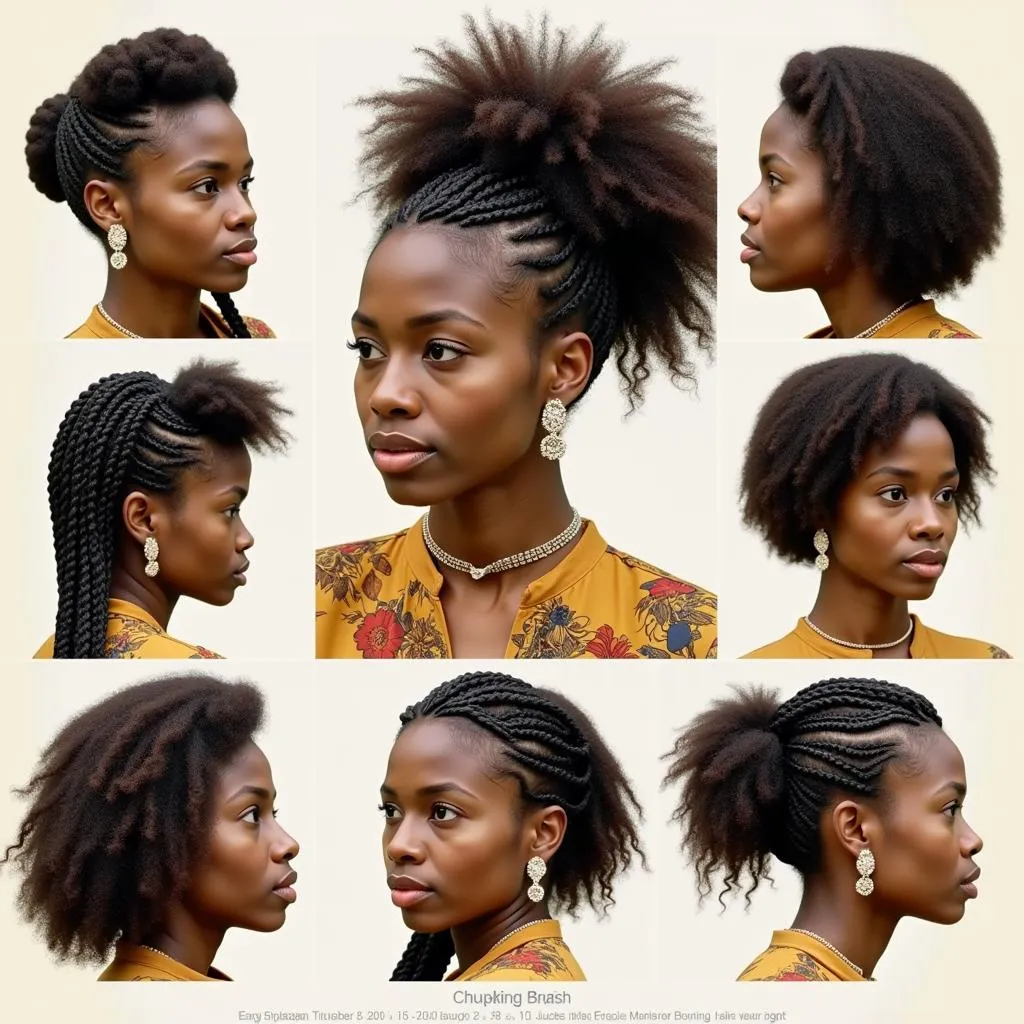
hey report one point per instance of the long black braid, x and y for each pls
(756, 775)
(596, 181)
(133, 431)
(110, 110)
(557, 757)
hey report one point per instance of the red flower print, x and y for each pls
(380, 635)
(791, 976)
(667, 588)
(605, 644)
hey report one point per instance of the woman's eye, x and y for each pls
(444, 813)
(246, 183)
(948, 496)
(367, 350)
(252, 815)
(774, 181)
(440, 352)
(893, 494)
(206, 188)
(390, 811)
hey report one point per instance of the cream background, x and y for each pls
(51, 693)
(763, 596)
(269, 617)
(969, 982)
(61, 269)
(757, 64)
(663, 456)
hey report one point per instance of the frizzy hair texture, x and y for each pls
(598, 182)
(911, 168)
(133, 431)
(814, 431)
(554, 752)
(756, 774)
(110, 110)
(121, 805)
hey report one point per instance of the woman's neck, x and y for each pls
(856, 303)
(849, 609)
(145, 593)
(186, 940)
(152, 309)
(475, 939)
(835, 912)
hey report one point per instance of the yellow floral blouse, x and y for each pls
(921, 320)
(212, 323)
(134, 633)
(794, 956)
(803, 642)
(380, 599)
(535, 953)
(139, 963)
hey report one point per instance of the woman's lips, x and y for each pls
(239, 575)
(242, 253)
(968, 885)
(285, 889)
(748, 254)
(399, 462)
(927, 564)
(406, 898)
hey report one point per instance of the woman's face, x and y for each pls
(924, 849)
(787, 244)
(188, 216)
(203, 541)
(897, 520)
(447, 383)
(455, 840)
(245, 878)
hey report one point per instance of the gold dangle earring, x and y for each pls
(552, 419)
(151, 550)
(821, 546)
(865, 865)
(536, 869)
(117, 239)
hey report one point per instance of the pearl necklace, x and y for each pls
(117, 327)
(509, 561)
(159, 952)
(507, 935)
(871, 331)
(828, 945)
(861, 647)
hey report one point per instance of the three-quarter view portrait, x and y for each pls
(852, 783)
(502, 806)
(150, 158)
(865, 466)
(151, 832)
(548, 212)
(878, 188)
(146, 481)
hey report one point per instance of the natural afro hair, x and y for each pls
(121, 809)
(755, 775)
(134, 431)
(111, 109)
(813, 433)
(599, 179)
(911, 168)
(556, 756)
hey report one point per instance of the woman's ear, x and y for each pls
(141, 515)
(107, 204)
(570, 360)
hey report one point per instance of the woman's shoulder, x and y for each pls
(792, 645)
(540, 959)
(656, 582)
(945, 645)
(132, 637)
(784, 963)
(923, 320)
(257, 328)
(330, 558)
(94, 327)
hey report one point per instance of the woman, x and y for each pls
(864, 466)
(500, 798)
(146, 483)
(880, 185)
(525, 241)
(854, 784)
(152, 831)
(146, 151)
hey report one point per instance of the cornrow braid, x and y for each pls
(135, 431)
(756, 775)
(557, 757)
(595, 181)
(110, 110)
(120, 809)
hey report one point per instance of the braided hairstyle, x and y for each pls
(121, 809)
(815, 430)
(110, 110)
(134, 431)
(912, 172)
(595, 180)
(550, 747)
(757, 774)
